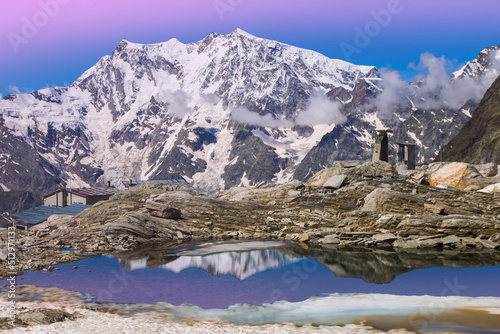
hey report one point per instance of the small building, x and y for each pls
(381, 147)
(31, 217)
(87, 196)
(173, 179)
(407, 155)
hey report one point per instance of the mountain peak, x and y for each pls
(241, 32)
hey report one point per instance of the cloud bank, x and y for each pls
(320, 110)
(245, 116)
(433, 88)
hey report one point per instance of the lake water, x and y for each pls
(210, 277)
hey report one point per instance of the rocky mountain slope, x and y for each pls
(226, 111)
(479, 140)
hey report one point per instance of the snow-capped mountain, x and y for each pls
(483, 65)
(199, 109)
(228, 110)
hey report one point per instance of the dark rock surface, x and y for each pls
(17, 201)
(479, 140)
(254, 160)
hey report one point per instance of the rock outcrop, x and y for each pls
(459, 175)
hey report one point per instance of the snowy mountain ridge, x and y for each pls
(229, 110)
(134, 106)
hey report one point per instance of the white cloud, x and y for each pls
(210, 98)
(436, 88)
(394, 92)
(321, 111)
(178, 102)
(442, 92)
(13, 90)
(245, 116)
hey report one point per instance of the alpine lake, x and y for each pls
(257, 282)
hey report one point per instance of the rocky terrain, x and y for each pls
(354, 205)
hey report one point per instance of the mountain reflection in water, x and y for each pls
(237, 264)
(377, 266)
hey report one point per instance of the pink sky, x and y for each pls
(73, 34)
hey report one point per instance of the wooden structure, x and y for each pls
(87, 196)
(407, 155)
(381, 147)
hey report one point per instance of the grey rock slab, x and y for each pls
(451, 240)
(330, 239)
(489, 244)
(384, 237)
(334, 182)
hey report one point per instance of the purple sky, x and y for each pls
(52, 42)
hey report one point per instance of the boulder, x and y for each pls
(495, 238)
(399, 243)
(43, 316)
(465, 223)
(435, 209)
(451, 241)
(431, 242)
(386, 200)
(296, 184)
(318, 179)
(304, 238)
(348, 163)
(470, 242)
(136, 226)
(334, 182)
(162, 210)
(487, 170)
(432, 167)
(492, 188)
(375, 169)
(487, 244)
(457, 174)
(410, 244)
(330, 239)
(418, 176)
(384, 238)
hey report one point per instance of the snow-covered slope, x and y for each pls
(149, 110)
(482, 66)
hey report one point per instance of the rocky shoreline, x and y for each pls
(351, 206)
